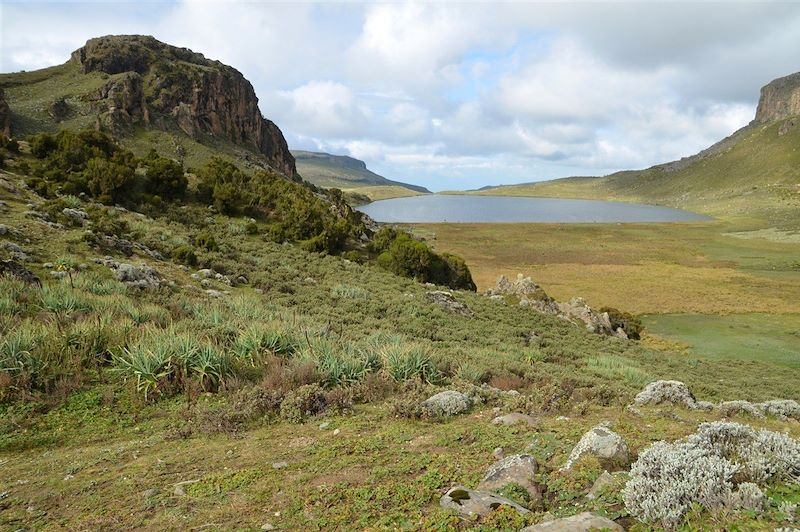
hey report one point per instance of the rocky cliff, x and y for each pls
(153, 84)
(780, 99)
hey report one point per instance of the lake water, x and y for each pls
(464, 209)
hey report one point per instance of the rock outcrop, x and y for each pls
(583, 522)
(153, 84)
(780, 99)
(469, 502)
(604, 444)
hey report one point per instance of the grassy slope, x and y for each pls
(88, 462)
(756, 182)
(334, 171)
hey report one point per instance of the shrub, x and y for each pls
(185, 255)
(303, 402)
(165, 177)
(625, 321)
(205, 240)
(704, 468)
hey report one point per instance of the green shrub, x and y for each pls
(206, 240)
(165, 177)
(185, 255)
(628, 322)
(305, 401)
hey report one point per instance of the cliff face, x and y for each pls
(157, 85)
(780, 99)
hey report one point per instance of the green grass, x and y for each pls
(737, 337)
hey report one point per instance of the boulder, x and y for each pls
(9, 267)
(665, 392)
(606, 445)
(448, 302)
(519, 468)
(583, 522)
(143, 276)
(603, 481)
(445, 404)
(75, 215)
(470, 502)
(514, 419)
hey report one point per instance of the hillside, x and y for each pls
(347, 173)
(752, 177)
(228, 347)
(149, 95)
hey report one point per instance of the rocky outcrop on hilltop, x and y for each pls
(153, 84)
(780, 99)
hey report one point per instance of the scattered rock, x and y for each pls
(445, 404)
(604, 480)
(20, 272)
(601, 442)
(267, 526)
(324, 425)
(520, 469)
(152, 492)
(216, 294)
(469, 502)
(142, 276)
(205, 273)
(336, 432)
(498, 453)
(446, 300)
(58, 274)
(513, 419)
(583, 522)
(279, 465)
(75, 215)
(665, 392)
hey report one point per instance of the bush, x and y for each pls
(704, 468)
(206, 240)
(165, 177)
(185, 255)
(303, 402)
(625, 321)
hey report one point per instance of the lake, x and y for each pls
(464, 209)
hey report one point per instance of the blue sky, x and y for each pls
(462, 95)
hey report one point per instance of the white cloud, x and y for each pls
(451, 95)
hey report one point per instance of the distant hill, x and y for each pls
(347, 173)
(148, 94)
(753, 174)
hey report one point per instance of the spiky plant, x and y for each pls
(409, 363)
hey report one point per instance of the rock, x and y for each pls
(267, 526)
(445, 404)
(9, 231)
(143, 276)
(180, 487)
(58, 275)
(608, 446)
(152, 492)
(603, 481)
(577, 309)
(279, 465)
(216, 294)
(207, 98)
(12, 247)
(446, 300)
(469, 502)
(498, 453)
(780, 99)
(665, 392)
(75, 215)
(324, 425)
(519, 468)
(206, 273)
(336, 432)
(513, 419)
(48, 266)
(20, 272)
(583, 522)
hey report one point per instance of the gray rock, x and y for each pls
(603, 481)
(180, 487)
(76, 215)
(448, 302)
(665, 392)
(267, 526)
(58, 275)
(519, 468)
(143, 276)
(279, 465)
(445, 404)
(469, 502)
(583, 522)
(205, 273)
(12, 247)
(214, 293)
(601, 442)
(498, 453)
(513, 419)
(324, 425)
(48, 265)
(152, 492)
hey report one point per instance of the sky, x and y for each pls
(462, 95)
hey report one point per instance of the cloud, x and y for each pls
(452, 95)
